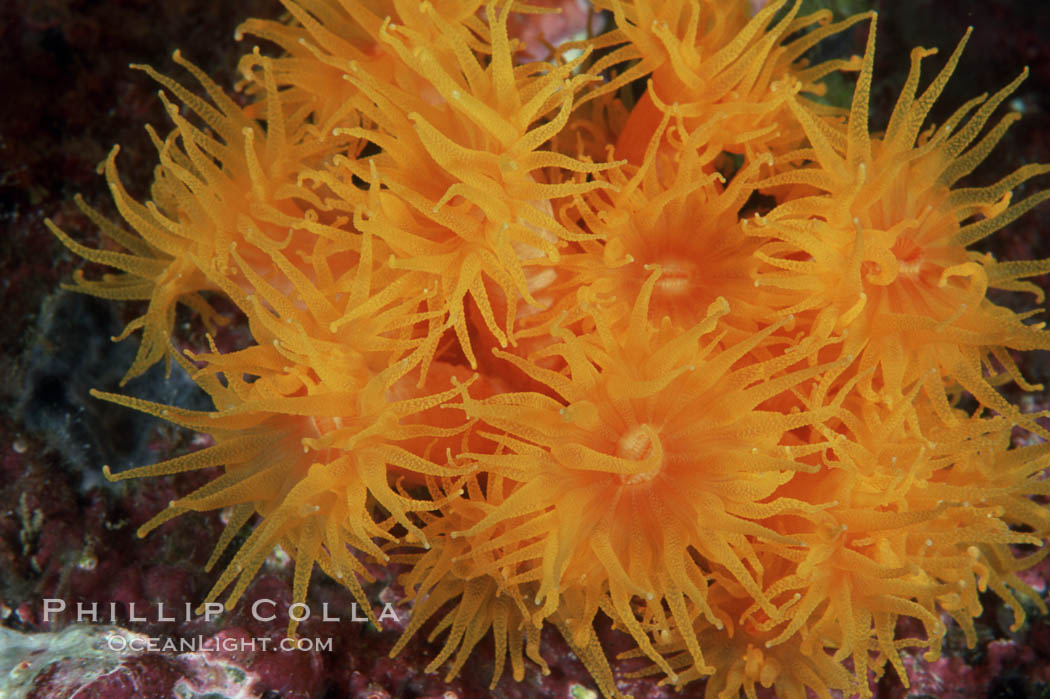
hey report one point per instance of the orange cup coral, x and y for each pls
(568, 348)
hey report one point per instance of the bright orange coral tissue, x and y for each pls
(648, 334)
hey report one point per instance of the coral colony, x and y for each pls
(646, 334)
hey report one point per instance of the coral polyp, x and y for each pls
(655, 450)
(889, 234)
(649, 335)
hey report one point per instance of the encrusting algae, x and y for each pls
(710, 360)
